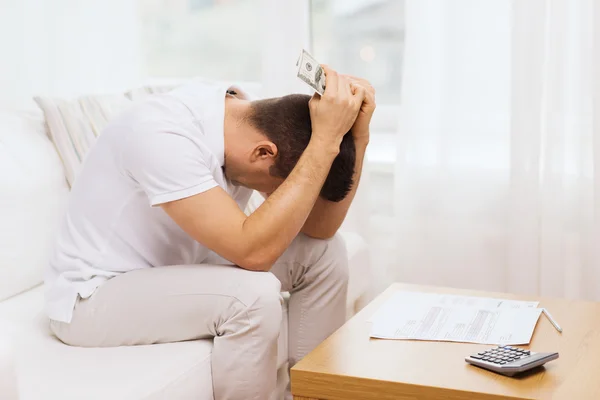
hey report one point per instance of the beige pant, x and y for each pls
(240, 309)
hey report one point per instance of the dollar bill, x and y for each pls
(311, 72)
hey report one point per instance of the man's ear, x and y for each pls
(264, 150)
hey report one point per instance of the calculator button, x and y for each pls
(486, 358)
(502, 362)
(482, 353)
(477, 357)
(527, 352)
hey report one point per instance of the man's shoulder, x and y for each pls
(198, 88)
(158, 113)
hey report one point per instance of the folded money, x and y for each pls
(311, 72)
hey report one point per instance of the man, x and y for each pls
(154, 247)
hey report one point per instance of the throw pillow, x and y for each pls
(74, 124)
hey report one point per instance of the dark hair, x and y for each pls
(286, 122)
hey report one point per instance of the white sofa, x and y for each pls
(33, 363)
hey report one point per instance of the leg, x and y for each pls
(315, 272)
(240, 309)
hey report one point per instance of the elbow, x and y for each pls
(255, 265)
(258, 261)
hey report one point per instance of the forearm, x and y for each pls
(326, 216)
(273, 226)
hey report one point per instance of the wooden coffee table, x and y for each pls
(350, 365)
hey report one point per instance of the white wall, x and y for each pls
(66, 47)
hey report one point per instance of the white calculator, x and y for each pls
(508, 360)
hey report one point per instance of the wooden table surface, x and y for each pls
(350, 365)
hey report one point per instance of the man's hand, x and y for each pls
(360, 129)
(334, 113)
(326, 217)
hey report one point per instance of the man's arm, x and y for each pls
(326, 216)
(257, 241)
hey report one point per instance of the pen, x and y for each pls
(552, 321)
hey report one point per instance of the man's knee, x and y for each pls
(263, 302)
(333, 253)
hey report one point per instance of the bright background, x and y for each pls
(483, 165)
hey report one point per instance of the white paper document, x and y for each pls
(440, 317)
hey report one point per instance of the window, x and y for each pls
(216, 39)
(363, 38)
(258, 41)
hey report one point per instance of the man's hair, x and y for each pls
(286, 122)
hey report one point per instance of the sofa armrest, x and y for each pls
(8, 375)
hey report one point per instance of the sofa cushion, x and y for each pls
(74, 124)
(359, 265)
(33, 190)
(47, 368)
(8, 376)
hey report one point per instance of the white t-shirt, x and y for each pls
(166, 148)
